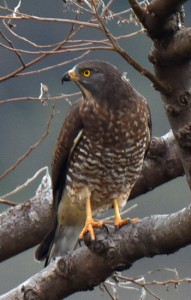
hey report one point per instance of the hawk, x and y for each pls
(98, 156)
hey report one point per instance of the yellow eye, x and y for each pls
(87, 73)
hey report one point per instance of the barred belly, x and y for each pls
(104, 173)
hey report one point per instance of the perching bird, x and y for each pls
(98, 156)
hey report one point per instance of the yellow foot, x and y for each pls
(134, 220)
(89, 227)
(120, 222)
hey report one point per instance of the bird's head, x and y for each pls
(97, 78)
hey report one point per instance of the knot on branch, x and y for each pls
(184, 136)
(105, 246)
(102, 244)
(183, 101)
(31, 294)
(157, 147)
(63, 265)
(170, 168)
(173, 109)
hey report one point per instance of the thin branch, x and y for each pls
(24, 185)
(151, 293)
(124, 212)
(31, 147)
(22, 16)
(13, 48)
(106, 8)
(19, 70)
(139, 283)
(136, 7)
(85, 45)
(157, 84)
(53, 98)
(55, 66)
(7, 202)
(174, 281)
(66, 49)
(24, 39)
(14, 73)
(108, 292)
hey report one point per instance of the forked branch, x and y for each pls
(159, 234)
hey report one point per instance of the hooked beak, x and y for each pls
(70, 76)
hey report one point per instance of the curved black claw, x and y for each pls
(106, 228)
(80, 242)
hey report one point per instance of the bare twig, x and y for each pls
(138, 10)
(12, 48)
(157, 84)
(174, 281)
(7, 202)
(24, 185)
(108, 292)
(125, 212)
(71, 33)
(55, 66)
(53, 98)
(31, 147)
(22, 16)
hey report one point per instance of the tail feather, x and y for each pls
(43, 248)
(66, 239)
(58, 243)
(63, 237)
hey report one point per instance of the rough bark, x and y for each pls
(161, 165)
(170, 56)
(159, 234)
(25, 225)
(163, 158)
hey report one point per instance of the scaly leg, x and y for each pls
(90, 222)
(119, 222)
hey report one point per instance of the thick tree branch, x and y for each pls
(16, 222)
(157, 18)
(161, 165)
(177, 49)
(160, 22)
(164, 159)
(165, 8)
(151, 236)
(173, 70)
(159, 234)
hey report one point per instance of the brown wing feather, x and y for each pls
(64, 146)
(70, 130)
(149, 133)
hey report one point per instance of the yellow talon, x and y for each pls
(90, 223)
(119, 222)
(89, 227)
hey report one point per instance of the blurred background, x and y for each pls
(23, 123)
